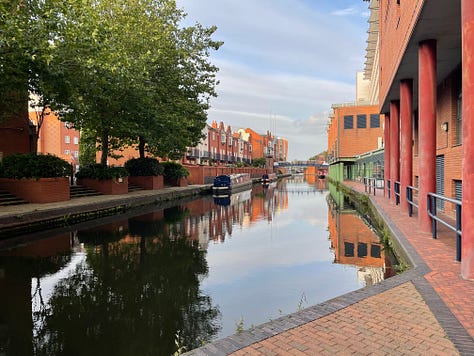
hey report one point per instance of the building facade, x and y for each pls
(426, 82)
(57, 137)
(353, 130)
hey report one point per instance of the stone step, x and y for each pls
(133, 187)
(10, 199)
(78, 191)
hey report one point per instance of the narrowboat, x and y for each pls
(231, 183)
(268, 178)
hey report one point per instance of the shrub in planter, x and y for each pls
(31, 165)
(174, 170)
(36, 178)
(99, 172)
(145, 172)
(107, 180)
(174, 173)
(144, 167)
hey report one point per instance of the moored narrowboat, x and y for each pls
(231, 183)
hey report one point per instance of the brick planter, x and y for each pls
(147, 182)
(107, 186)
(43, 190)
(179, 182)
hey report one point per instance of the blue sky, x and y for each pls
(283, 63)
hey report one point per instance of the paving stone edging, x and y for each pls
(453, 328)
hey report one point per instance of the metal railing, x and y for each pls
(410, 201)
(370, 185)
(388, 188)
(432, 213)
(396, 189)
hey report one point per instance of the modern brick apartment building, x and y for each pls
(58, 138)
(419, 59)
(352, 131)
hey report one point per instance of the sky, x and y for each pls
(283, 64)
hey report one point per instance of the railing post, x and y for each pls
(396, 188)
(365, 184)
(388, 190)
(374, 181)
(431, 206)
(410, 200)
(458, 235)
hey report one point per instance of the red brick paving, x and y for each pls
(440, 256)
(397, 321)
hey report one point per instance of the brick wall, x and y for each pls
(356, 141)
(396, 25)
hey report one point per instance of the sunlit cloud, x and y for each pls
(283, 64)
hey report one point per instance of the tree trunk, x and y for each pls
(105, 147)
(141, 146)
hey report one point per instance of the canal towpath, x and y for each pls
(426, 310)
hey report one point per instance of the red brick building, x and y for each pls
(57, 137)
(426, 92)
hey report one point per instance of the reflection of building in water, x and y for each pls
(214, 220)
(354, 243)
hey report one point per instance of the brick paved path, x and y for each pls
(428, 310)
(395, 322)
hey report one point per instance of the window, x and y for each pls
(76, 154)
(362, 249)
(459, 119)
(361, 121)
(66, 152)
(76, 140)
(67, 139)
(348, 249)
(374, 121)
(458, 189)
(223, 138)
(348, 122)
(375, 251)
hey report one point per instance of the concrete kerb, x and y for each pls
(24, 219)
(453, 328)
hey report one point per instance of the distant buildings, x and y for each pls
(221, 145)
(57, 137)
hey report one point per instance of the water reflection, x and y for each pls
(354, 242)
(129, 287)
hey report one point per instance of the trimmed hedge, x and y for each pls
(174, 170)
(144, 167)
(97, 171)
(34, 166)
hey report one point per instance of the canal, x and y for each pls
(185, 275)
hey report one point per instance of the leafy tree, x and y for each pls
(259, 162)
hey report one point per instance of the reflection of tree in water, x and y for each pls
(131, 298)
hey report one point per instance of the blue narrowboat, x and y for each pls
(231, 183)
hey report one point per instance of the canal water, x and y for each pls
(186, 275)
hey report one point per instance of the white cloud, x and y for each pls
(283, 63)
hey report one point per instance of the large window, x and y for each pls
(374, 121)
(348, 122)
(67, 139)
(361, 121)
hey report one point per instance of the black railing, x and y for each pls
(410, 201)
(388, 188)
(396, 190)
(432, 202)
(370, 185)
